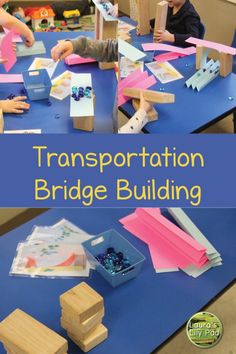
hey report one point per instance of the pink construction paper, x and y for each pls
(16, 37)
(159, 261)
(173, 234)
(132, 81)
(212, 45)
(153, 239)
(143, 85)
(74, 59)
(7, 51)
(162, 58)
(123, 83)
(11, 78)
(168, 48)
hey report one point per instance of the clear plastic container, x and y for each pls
(37, 84)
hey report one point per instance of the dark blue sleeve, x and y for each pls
(192, 26)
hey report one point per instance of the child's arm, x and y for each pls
(103, 51)
(16, 105)
(12, 23)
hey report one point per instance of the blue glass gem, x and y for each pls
(120, 255)
(230, 98)
(110, 250)
(49, 103)
(89, 88)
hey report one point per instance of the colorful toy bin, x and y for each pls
(37, 84)
(97, 250)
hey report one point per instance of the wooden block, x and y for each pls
(152, 115)
(107, 30)
(149, 95)
(143, 17)
(98, 19)
(81, 300)
(85, 326)
(22, 334)
(1, 122)
(125, 37)
(75, 330)
(161, 17)
(84, 123)
(200, 57)
(97, 337)
(226, 64)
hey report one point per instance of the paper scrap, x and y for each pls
(44, 63)
(164, 72)
(7, 51)
(61, 86)
(127, 66)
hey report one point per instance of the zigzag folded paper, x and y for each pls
(166, 240)
(137, 79)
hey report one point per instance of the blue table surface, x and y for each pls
(192, 111)
(42, 116)
(140, 314)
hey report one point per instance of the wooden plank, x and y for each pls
(143, 17)
(161, 17)
(150, 96)
(1, 122)
(22, 334)
(81, 300)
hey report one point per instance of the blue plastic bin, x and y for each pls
(37, 84)
(112, 238)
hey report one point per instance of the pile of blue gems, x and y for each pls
(113, 261)
(105, 6)
(80, 92)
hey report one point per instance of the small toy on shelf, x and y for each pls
(82, 314)
(71, 19)
(20, 14)
(42, 17)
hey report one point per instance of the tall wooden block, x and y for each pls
(107, 30)
(1, 122)
(22, 334)
(81, 300)
(226, 64)
(97, 337)
(143, 17)
(200, 53)
(161, 17)
(87, 325)
(98, 19)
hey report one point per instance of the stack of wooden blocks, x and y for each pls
(1, 122)
(22, 334)
(82, 314)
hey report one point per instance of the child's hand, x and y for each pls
(62, 50)
(164, 36)
(16, 105)
(29, 39)
(2, 60)
(114, 10)
(144, 105)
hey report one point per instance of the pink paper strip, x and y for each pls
(142, 85)
(123, 83)
(147, 235)
(212, 45)
(11, 78)
(168, 48)
(74, 59)
(16, 37)
(162, 58)
(7, 51)
(132, 82)
(159, 261)
(173, 233)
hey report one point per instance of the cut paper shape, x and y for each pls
(61, 86)
(103, 11)
(127, 66)
(37, 48)
(75, 59)
(165, 57)
(212, 45)
(129, 51)
(7, 51)
(11, 78)
(28, 131)
(16, 37)
(164, 72)
(44, 63)
(123, 83)
(168, 48)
